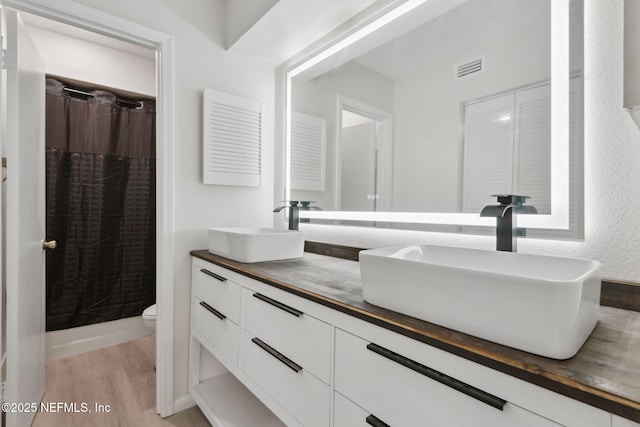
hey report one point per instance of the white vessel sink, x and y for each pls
(255, 244)
(540, 304)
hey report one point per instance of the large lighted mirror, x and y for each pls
(419, 115)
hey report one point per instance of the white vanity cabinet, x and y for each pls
(621, 422)
(278, 355)
(214, 383)
(215, 312)
(287, 353)
(348, 414)
(303, 338)
(398, 390)
(313, 366)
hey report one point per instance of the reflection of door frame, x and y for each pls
(384, 119)
(81, 16)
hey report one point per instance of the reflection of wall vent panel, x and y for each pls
(232, 134)
(469, 68)
(308, 140)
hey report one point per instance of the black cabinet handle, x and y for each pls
(214, 275)
(444, 379)
(275, 353)
(278, 304)
(375, 422)
(213, 310)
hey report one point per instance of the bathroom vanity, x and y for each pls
(293, 342)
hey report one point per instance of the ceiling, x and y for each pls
(289, 26)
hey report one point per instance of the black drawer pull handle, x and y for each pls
(467, 389)
(278, 304)
(375, 422)
(214, 275)
(275, 353)
(213, 310)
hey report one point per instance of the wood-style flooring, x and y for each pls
(121, 376)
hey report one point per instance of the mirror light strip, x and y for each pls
(560, 72)
(526, 221)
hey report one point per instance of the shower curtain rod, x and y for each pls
(79, 92)
(137, 104)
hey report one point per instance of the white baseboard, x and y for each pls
(182, 403)
(69, 342)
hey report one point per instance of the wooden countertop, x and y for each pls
(605, 373)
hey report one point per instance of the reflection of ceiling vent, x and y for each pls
(469, 68)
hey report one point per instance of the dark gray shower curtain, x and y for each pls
(100, 160)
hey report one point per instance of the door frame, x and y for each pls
(77, 15)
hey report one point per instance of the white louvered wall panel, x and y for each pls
(308, 140)
(232, 135)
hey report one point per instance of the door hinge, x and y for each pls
(7, 391)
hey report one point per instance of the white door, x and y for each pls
(23, 103)
(358, 155)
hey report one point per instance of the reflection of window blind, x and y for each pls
(308, 140)
(231, 139)
(488, 152)
(507, 149)
(533, 142)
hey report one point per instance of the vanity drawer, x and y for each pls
(287, 381)
(212, 285)
(299, 336)
(216, 331)
(348, 414)
(402, 391)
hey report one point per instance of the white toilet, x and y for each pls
(149, 317)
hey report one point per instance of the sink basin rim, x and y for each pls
(390, 252)
(255, 244)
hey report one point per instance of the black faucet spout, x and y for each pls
(506, 219)
(294, 214)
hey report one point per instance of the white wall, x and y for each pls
(197, 27)
(612, 168)
(90, 62)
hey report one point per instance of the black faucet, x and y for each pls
(294, 213)
(506, 224)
